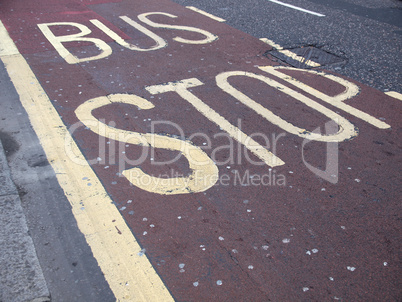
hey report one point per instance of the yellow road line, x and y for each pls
(206, 14)
(394, 94)
(271, 43)
(129, 273)
(289, 53)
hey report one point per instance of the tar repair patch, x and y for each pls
(307, 57)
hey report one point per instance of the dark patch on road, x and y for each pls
(309, 53)
(38, 161)
(21, 191)
(9, 143)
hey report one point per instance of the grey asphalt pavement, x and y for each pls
(21, 276)
(366, 34)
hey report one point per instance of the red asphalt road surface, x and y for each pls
(300, 238)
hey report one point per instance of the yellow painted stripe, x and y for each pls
(7, 46)
(129, 273)
(206, 14)
(289, 53)
(394, 94)
(301, 59)
(271, 43)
